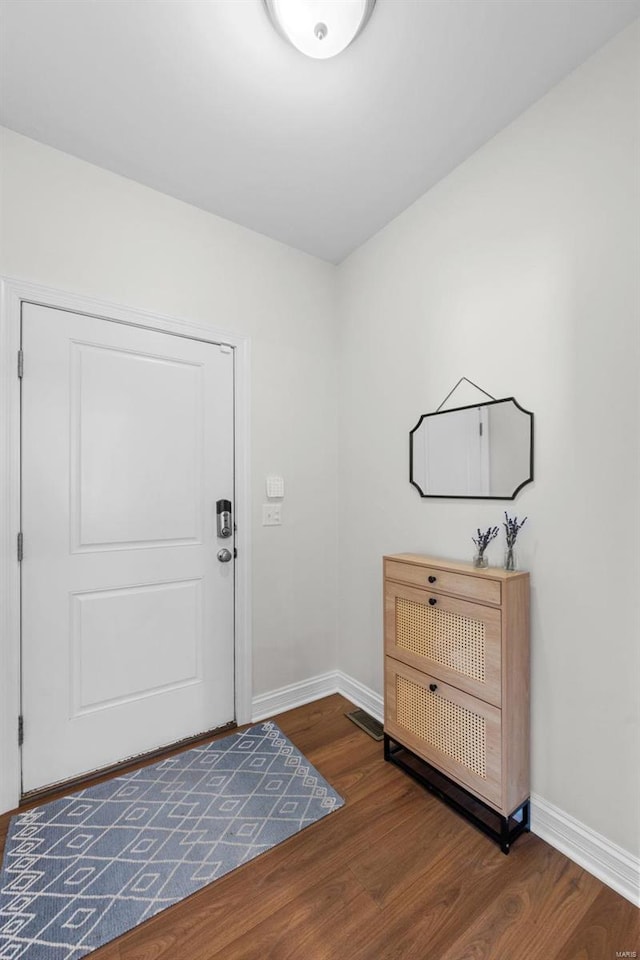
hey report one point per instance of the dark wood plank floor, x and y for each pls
(393, 874)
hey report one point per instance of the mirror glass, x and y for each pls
(480, 451)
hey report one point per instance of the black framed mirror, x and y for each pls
(482, 452)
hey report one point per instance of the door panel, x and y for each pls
(118, 452)
(127, 615)
(108, 624)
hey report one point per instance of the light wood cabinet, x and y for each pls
(457, 686)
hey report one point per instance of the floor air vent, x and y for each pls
(367, 723)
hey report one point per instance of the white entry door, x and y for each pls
(127, 612)
(456, 453)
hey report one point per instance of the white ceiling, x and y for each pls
(202, 100)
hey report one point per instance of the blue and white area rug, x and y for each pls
(82, 870)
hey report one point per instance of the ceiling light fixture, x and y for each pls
(319, 28)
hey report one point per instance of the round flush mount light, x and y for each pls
(320, 28)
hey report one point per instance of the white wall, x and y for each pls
(68, 224)
(520, 272)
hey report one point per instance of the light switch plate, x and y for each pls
(271, 514)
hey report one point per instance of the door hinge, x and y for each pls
(20, 547)
(480, 426)
(20, 363)
(20, 730)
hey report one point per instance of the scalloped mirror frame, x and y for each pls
(472, 448)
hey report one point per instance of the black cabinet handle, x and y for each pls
(432, 579)
(433, 687)
(432, 601)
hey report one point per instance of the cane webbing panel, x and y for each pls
(454, 730)
(447, 638)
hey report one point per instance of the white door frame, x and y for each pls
(12, 294)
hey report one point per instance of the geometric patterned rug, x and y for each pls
(84, 869)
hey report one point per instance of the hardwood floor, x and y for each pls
(393, 874)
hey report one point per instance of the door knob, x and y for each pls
(224, 555)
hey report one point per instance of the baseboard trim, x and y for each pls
(602, 858)
(608, 862)
(294, 695)
(306, 691)
(362, 696)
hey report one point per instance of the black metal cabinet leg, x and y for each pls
(502, 830)
(505, 837)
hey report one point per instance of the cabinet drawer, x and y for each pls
(463, 585)
(457, 641)
(451, 730)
